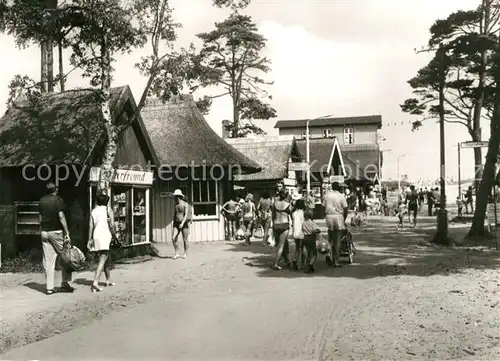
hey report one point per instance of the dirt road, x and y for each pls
(401, 300)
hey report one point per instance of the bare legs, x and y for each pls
(335, 238)
(248, 232)
(266, 224)
(281, 238)
(185, 238)
(103, 265)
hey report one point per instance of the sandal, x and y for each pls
(94, 289)
(110, 284)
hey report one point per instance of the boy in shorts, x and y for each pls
(310, 231)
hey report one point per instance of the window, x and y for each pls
(327, 133)
(204, 198)
(348, 136)
(304, 133)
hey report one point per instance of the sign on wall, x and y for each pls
(298, 167)
(124, 176)
(474, 144)
(337, 178)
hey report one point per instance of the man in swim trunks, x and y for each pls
(264, 213)
(181, 223)
(230, 211)
(248, 216)
(336, 210)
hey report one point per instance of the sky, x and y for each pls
(339, 57)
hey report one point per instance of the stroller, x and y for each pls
(347, 248)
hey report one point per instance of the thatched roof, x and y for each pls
(182, 137)
(272, 153)
(60, 128)
(354, 156)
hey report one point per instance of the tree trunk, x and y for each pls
(62, 81)
(43, 67)
(111, 143)
(50, 66)
(478, 166)
(479, 100)
(236, 120)
(483, 193)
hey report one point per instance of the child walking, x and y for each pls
(401, 212)
(298, 235)
(310, 231)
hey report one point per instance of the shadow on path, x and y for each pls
(382, 250)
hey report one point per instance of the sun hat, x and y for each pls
(178, 193)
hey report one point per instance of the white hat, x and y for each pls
(178, 193)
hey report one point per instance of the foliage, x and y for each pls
(468, 40)
(167, 70)
(232, 4)
(23, 263)
(230, 57)
(108, 29)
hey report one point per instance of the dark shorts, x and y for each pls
(309, 240)
(413, 207)
(281, 227)
(232, 217)
(247, 222)
(178, 225)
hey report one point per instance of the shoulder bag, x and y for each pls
(115, 241)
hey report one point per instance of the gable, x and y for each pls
(130, 153)
(336, 162)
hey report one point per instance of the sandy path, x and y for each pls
(400, 301)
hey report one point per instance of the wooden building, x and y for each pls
(194, 159)
(358, 164)
(273, 154)
(60, 137)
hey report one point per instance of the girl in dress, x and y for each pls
(100, 236)
(298, 235)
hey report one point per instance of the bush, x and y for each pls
(23, 263)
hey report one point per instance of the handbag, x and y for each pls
(115, 241)
(72, 258)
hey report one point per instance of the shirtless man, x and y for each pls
(230, 210)
(248, 216)
(181, 223)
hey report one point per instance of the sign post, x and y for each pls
(474, 144)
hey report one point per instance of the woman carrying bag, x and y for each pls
(101, 232)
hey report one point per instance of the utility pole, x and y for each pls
(459, 173)
(399, 174)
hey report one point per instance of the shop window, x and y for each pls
(130, 212)
(204, 198)
(348, 136)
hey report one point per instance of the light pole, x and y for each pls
(308, 156)
(399, 175)
(381, 163)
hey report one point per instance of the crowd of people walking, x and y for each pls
(283, 217)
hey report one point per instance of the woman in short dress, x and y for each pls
(100, 239)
